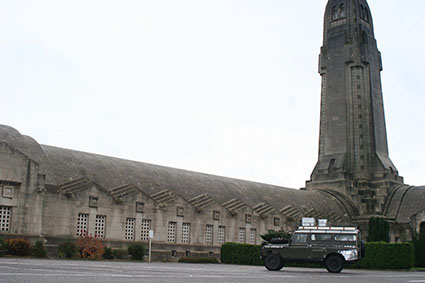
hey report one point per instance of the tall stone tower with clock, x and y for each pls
(353, 152)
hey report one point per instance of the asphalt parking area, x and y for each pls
(45, 271)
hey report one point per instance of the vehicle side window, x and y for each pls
(345, 238)
(321, 237)
(300, 239)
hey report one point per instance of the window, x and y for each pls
(209, 234)
(241, 236)
(364, 13)
(5, 215)
(321, 237)
(172, 232)
(221, 234)
(253, 237)
(144, 229)
(422, 229)
(345, 238)
(99, 227)
(338, 12)
(186, 233)
(300, 238)
(129, 229)
(82, 224)
(331, 164)
(341, 10)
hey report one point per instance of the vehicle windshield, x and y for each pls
(299, 238)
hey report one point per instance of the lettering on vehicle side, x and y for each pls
(274, 247)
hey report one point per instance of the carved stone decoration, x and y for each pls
(140, 207)
(180, 211)
(248, 218)
(93, 201)
(216, 215)
(276, 221)
(8, 191)
(41, 182)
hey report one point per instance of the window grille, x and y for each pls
(172, 232)
(99, 227)
(221, 234)
(209, 234)
(186, 233)
(241, 238)
(82, 224)
(129, 229)
(144, 230)
(253, 237)
(5, 215)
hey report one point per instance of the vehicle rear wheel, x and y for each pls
(334, 264)
(273, 262)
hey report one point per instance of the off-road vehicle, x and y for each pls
(332, 246)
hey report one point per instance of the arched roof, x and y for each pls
(29, 147)
(64, 165)
(404, 202)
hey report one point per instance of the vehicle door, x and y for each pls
(299, 246)
(320, 243)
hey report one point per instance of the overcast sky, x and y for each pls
(226, 87)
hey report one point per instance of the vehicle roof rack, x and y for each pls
(327, 229)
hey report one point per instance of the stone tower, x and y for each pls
(353, 151)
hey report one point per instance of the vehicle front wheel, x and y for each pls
(273, 262)
(334, 264)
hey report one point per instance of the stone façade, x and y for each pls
(57, 193)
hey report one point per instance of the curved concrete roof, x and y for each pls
(29, 147)
(63, 165)
(404, 202)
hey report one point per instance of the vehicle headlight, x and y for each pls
(349, 255)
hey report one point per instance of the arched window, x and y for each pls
(335, 13)
(422, 229)
(338, 12)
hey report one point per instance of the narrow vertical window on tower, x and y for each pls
(335, 13)
(341, 10)
(364, 13)
(338, 12)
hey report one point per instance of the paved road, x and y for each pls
(68, 271)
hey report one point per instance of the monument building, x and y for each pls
(54, 193)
